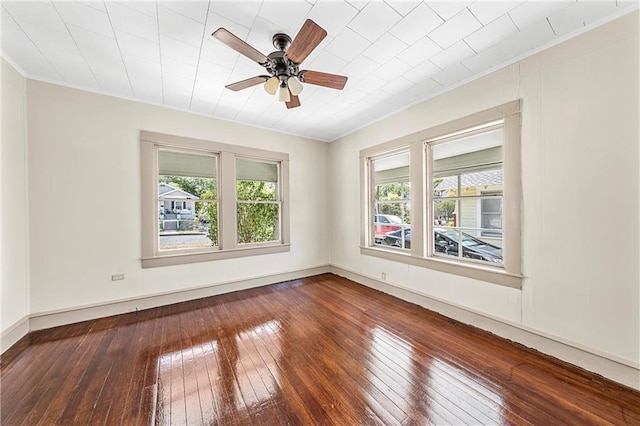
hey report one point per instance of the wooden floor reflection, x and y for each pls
(321, 350)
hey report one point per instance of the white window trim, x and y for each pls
(509, 274)
(227, 247)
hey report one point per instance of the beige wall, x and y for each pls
(580, 181)
(84, 152)
(14, 273)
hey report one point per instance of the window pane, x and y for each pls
(187, 206)
(188, 231)
(256, 181)
(391, 201)
(258, 222)
(467, 200)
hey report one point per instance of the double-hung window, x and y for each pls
(204, 200)
(455, 191)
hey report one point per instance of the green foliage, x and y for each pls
(444, 209)
(398, 192)
(257, 222)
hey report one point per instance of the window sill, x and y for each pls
(184, 258)
(479, 272)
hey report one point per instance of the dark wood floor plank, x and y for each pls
(320, 350)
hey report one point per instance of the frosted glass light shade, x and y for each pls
(283, 95)
(294, 86)
(271, 85)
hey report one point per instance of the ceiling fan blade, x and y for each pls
(294, 102)
(239, 85)
(309, 37)
(239, 45)
(333, 81)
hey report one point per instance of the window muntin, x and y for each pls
(258, 201)
(187, 200)
(464, 169)
(391, 198)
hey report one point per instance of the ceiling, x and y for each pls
(395, 53)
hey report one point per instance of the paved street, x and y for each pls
(189, 239)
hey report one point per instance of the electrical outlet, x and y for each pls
(384, 275)
(117, 277)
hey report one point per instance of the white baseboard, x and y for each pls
(609, 366)
(11, 335)
(41, 320)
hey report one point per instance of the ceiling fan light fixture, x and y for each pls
(294, 86)
(284, 95)
(271, 85)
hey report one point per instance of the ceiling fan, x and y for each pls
(283, 65)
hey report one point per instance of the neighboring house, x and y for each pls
(175, 201)
(475, 212)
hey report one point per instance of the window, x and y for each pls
(462, 168)
(455, 193)
(205, 201)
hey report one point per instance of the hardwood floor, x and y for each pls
(321, 350)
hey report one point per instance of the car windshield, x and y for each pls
(394, 219)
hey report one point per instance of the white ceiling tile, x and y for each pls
(20, 49)
(421, 72)
(41, 14)
(145, 78)
(370, 83)
(358, 4)
(85, 17)
(214, 72)
(206, 92)
(385, 48)
(529, 38)
(487, 11)
(50, 40)
(98, 5)
(455, 29)
(374, 19)
(180, 51)
(416, 24)
(530, 12)
(392, 69)
(491, 57)
(327, 62)
(288, 16)
(181, 28)
(240, 12)
(398, 85)
(111, 75)
(177, 67)
(498, 30)
(456, 53)
(149, 8)
(196, 10)
(138, 46)
(242, 72)
(347, 45)
(452, 75)
(95, 45)
(379, 97)
(73, 68)
(579, 15)
(332, 15)
(131, 21)
(419, 52)
(403, 7)
(448, 9)
(360, 67)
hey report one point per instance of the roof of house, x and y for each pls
(483, 178)
(166, 191)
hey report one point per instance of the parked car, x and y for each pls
(385, 223)
(446, 241)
